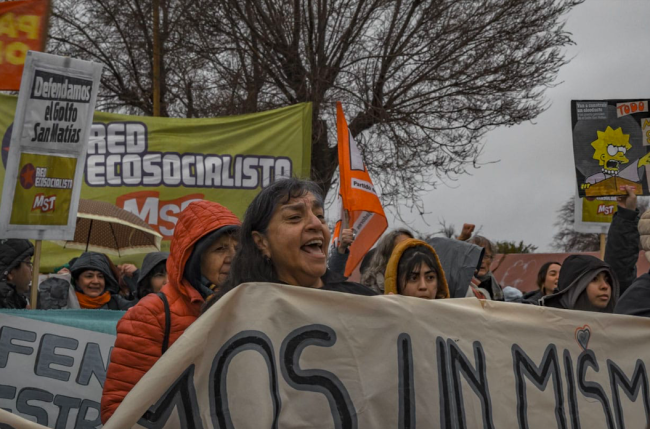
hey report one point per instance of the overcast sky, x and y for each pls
(518, 197)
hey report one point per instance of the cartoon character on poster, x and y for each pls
(610, 147)
(609, 150)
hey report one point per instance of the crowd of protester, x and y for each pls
(284, 238)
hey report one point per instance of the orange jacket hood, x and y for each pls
(198, 219)
(390, 281)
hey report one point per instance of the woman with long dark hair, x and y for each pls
(284, 239)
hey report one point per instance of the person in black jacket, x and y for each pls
(15, 272)
(622, 248)
(585, 283)
(621, 252)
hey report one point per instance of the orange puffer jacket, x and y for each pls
(141, 331)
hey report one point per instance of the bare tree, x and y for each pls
(118, 34)
(421, 81)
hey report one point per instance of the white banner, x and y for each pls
(273, 356)
(52, 374)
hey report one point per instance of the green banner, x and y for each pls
(155, 167)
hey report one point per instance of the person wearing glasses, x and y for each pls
(15, 272)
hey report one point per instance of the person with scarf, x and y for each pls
(95, 285)
(201, 251)
(586, 283)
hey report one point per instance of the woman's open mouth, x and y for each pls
(313, 247)
(612, 164)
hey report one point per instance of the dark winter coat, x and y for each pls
(622, 248)
(636, 299)
(10, 298)
(575, 275)
(337, 283)
(53, 293)
(531, 297)
(337, 261)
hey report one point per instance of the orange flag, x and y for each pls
(360, 205)
(23, 27)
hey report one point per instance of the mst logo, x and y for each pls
(43, 203)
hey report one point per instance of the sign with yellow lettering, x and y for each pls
(23, 27)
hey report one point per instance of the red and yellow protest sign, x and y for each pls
(43, 190)
(359, 200)
(599, 210)
(23, 27)
(594, 215)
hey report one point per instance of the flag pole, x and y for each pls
(603, 240)
(36, 268)
(156, 57)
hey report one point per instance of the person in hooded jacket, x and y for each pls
(586, 283)
(201, 251)
(485, 277)
(95, 284)
(153, 274)
(460, 260)
(373, 276)
(15, 272)
(415, 270)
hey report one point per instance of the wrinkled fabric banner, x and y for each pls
(277, 356)
(155, 167)
(51, 374)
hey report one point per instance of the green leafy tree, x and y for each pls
(504, 247)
